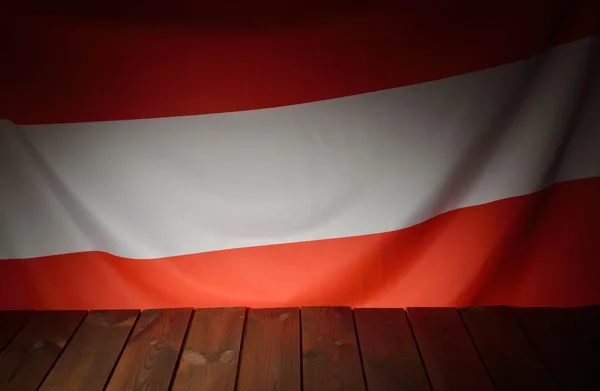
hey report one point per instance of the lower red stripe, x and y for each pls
(534, 250)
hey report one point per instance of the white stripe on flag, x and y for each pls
(357, 165)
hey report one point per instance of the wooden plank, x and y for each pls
(451, 360)
(150, 356)
(270, 357)
(511, 359)
(389, 352)
(330, 355)
(88, 360)
(10, 324)
(558, 342)
(210, 356)
(28, 358)
(587, 323)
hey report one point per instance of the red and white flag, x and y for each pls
(379, 154)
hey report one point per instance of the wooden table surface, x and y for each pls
(292, 349)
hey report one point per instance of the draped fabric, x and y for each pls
(380, 154)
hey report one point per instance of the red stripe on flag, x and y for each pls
(535, 250)
(75, 64)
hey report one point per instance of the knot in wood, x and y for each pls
(227, 356)
(194, 358)
(283, 317)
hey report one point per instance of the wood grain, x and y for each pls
(150, 356)
(330, 355)
(558, 342)
(390, 356)
(587, 323)
(88, 360)
(28, 358)
(511, 359)
(270, 356)
(11, 323)
(451, 360)
(210, 356)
